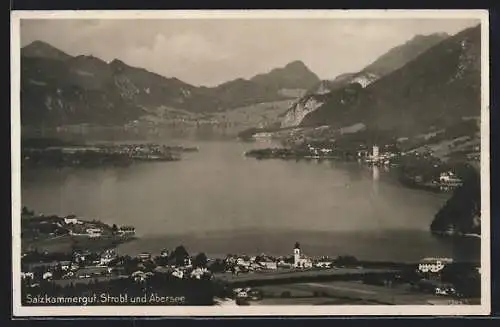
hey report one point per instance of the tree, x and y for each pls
(200, 261)
(346, 260)
(149, 265)
(179, 255)
(130, 264)
(58, 272)
(114, 228)
(218, 266)
(25, 211)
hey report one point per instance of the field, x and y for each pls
(309, 301)
(294, 274)
(343, 292)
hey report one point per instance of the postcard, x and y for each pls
(257, 162)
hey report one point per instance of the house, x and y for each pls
(299, 260)
(433, 265)
(449, 178)
(138, 276)
(323, 264)
(243, 262)
(436, 287)
(126, 230)
(178, 273)
(242, 292)
(254, 266)
(163, 270)
(71, 220)
(65, 265)
(47, 275)
(268, 265)
(230, 260)
(107, 257)
(27, 275)
(94, 232)
(445, 289)
(92, 271)
(81, 256)
(362, 153)
(68, 275)
(198, 273)
(283, 264)
(144, 256)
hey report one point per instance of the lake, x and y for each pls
(219, 202)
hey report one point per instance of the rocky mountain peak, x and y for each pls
(40, 49)
(296, 65)
(294, 75)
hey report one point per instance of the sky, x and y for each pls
(212, 51)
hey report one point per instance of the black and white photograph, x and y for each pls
(258, 162)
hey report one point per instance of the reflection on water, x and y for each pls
(217, 199)
(376, 177)
(376, 173)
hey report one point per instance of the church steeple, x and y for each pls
(296, 255)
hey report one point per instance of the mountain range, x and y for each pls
(390, 61)
(430, 80)
(59, 89)
(437, 85)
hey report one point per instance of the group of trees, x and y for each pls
(346, 260)
(26, 212)
(179, 257)
(459, 211)
(465, 277)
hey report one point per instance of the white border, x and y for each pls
(295, 310)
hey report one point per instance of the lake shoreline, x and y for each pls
(276, 195)
(314, 243)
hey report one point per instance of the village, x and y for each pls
(418, 169)
(44, 271)
(151, 151)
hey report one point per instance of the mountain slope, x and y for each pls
(58, 89)
(438, 88)
(52, 93)
(398, 56)
(384, 65)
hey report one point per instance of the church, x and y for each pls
(300, 260)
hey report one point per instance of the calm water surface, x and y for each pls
(220, 202)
